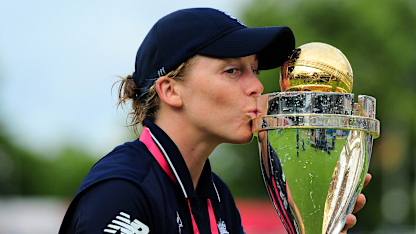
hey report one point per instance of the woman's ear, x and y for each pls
(167, 89)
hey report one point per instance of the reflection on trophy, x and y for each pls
(315, 143)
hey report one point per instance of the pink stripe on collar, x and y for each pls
(146, 138)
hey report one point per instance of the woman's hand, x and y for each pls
(351, 219)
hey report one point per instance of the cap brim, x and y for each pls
(273, 45)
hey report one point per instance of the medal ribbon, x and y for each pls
(146, 138)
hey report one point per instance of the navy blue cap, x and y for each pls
(184, 33)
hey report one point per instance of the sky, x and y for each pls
(59, 59)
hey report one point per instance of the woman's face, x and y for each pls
(219, 98)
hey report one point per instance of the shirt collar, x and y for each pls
(206, 187)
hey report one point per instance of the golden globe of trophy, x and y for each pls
(315, 143)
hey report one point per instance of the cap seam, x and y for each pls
(215, 38)
(201, 14)
(159, 43)
(223, 33)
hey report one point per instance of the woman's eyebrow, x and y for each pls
(256, 59)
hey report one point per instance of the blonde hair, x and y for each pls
(127, 92)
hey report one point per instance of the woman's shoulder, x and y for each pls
(128, 156)
(130, 161)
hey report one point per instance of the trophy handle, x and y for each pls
(277, 187)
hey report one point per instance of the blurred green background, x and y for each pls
(378, 38)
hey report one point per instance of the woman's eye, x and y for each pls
(231, 71)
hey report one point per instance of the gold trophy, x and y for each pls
(315, 144)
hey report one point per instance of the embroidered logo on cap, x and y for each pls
(161, 72)
(122, 224)
(231, 16)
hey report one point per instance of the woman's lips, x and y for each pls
(255, 113)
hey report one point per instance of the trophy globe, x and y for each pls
(317, 67)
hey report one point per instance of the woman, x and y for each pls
(194, 87)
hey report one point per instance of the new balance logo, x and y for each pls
(122, 225)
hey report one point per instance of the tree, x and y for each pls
(25, 173)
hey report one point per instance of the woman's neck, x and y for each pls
(194, 148)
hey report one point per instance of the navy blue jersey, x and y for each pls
(127, 191)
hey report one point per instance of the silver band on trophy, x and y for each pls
(318, 110)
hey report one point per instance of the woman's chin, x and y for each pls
(247, 138)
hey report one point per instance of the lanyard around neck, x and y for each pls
(146, 138)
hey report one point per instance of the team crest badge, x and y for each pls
(222, 227)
